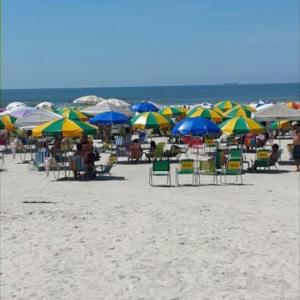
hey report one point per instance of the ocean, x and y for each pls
(165, 95)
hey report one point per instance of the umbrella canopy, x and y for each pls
(246, 107)
(150, 120)
(105, 107)
(65, 128)
(109, 118)
(171, 111)
(207, 105)
(116, 102)
(88, 100)
(37, 117)
(21, 111)
(237, 112)
(195, 126)
(205, 113)
(278, 112)
(218, 111)
(74, 114)
(225, 105)
(261, 107)
(283, 124)
(144, 107)
(13, 105)
(45, 105)
(241, 125)
(7, 122)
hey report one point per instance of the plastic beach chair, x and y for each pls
(106, 168)
(185, 167)
(233, 168)
(160, 168)
(207, 168)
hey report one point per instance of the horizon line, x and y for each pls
(150, 86)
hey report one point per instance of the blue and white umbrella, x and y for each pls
(145, 107)
(109, 118)
(196, 127)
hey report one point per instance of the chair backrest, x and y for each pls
(142, 136)
(119, 140)
(186, 165)
(233, 166)
(158, 151)
(220, 158)
(262, 154)
(76, 163)
(235, 153)
(161, 166)
(210, 142)
(207, 166)
(111, 161)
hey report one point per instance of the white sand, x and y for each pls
(122, 239)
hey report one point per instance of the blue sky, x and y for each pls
(97, 43)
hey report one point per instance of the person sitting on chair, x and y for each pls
(135, 150)
(151, 150)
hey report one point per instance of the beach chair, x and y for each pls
(210, 144)
(233, 168)
(235, 153)
(263, 159)
(158, 151)
(120, 146)
(160, 168)
(76, 164)
(40, 157)
(185, 167)
(207, 168)
(106, 168)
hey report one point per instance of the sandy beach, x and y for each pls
(122, 239)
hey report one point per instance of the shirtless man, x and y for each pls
(296, 149)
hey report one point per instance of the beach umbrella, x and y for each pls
(237, 112)
(195, 126)
(246, 107)
(144, 107)
(21, 111)
(13, 105)
(205, 113)
(88, 100)
(225, 105)
(7, 122)
(278, 112)
(171, 111)
(45, 105)
(37, 117)
(64, 127)
(116, 102)
(150, 120)
(240, 126)
(207, 105)
(106, 107)
(280, 124)
(74, 114)
(264, 106)
(109, 118)
(218, 111)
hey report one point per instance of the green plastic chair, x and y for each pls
(185, 167)
(235, 154)
(233, 168)
(207, 167)
(160, 168)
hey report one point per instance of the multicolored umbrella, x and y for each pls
(196, 127)
(225, 105)
(237, 112)
(74, 114)
(171, 111)
(65, 128)
(205, 113)
(109, 118)
(241, 125)
(280, 124)
(144, 107)
(7, 122)
(246, 107)
(218, 111)
(150, 120)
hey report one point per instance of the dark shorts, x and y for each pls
(296, 152)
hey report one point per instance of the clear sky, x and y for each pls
(97, 43)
